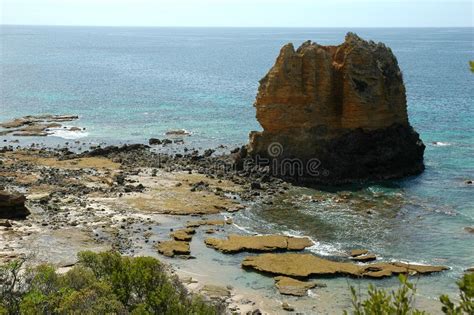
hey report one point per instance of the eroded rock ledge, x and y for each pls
(344, 106)
(306, 265)
(259, 243)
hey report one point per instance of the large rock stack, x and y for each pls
(335, 114)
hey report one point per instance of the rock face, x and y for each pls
(12, 206)
(340, 110)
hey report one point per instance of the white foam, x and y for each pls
(243, 229)
(441, 144)
(324, 249)
(411, 262)
(67, 134)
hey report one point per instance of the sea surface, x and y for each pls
(130, 84)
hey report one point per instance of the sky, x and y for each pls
(240, 13)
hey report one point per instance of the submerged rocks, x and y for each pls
(194, 224)
(12, 205)
(178, 132)
(215, 292)
(31, 120)
(469, 229)
(305, 265)
(335, 114)
(261, 243)
(36, 126)
(290, 286)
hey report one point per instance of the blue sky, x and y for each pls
(270, 13)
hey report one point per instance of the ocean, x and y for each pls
(130, 84)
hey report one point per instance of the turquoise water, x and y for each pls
(129, 84)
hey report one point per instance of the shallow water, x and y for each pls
(130, 84)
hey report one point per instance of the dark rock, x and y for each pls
(167, 141)
(114, 150)
(255, 185)
(154, 141)
(12, 206)
(5, 223)
(287, 307)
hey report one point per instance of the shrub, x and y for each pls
(466, 298)
(104, 283)
(400, 302)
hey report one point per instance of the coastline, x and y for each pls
(116, 198)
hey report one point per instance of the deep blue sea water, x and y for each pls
(129, 84)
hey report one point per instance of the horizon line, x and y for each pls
(214, 26)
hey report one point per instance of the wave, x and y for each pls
(244, 229)
(441, 144)
(68, 134)
(324, 249)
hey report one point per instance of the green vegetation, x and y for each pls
(466, 297)
(107, 283)
(104, 283)
(471, 63)
(401, 301)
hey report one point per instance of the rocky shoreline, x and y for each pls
(124, 198)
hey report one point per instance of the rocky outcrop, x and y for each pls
(12, 206)
(306, 265)
(258, 243)
(183, 234)
(335, 114)
(171, 248)
(36, 126)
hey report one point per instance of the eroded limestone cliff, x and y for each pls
(344, 106)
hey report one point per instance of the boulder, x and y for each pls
(334, 115)
(260, 243)
(12, 205)
(305, 265)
